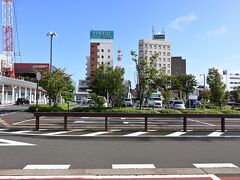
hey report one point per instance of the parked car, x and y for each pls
(155, 102)
(21, 101)
(128, 102)
(177, 104)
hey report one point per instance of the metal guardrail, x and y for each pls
(106, 115)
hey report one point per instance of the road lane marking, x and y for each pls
(91, 177)
(21, 122)
(135, 134)
(215, 165)
(47, 166)
(175, 134)
(14, 143)
(96, 133)
(133, 166)
(215, 134)
(62, 132)
(20, 132)
(200, 122)
(123, 118)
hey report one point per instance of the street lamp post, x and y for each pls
(204, 83)
(51, 34)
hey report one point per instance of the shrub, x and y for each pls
(45, 108)
(201, 111)
(170, 111)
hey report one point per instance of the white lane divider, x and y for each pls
(62, 132)
(215, 134)
(96, 133)
(5, 142)
(215, 165)
(20, 132)
(47, 166)
(200, 122)
(133, 166)
(176, 134)
(135, 134)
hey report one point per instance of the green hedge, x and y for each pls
(45, 108)
(201, 111)
(170, 111)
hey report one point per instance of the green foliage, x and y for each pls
(132, 110)
(55, 84)
(230, 111)
(217, 87)
(45, 108)
(170, 111)
(201, 111)
(108, 82)
(98, 100)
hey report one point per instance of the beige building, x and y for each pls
(147, 48)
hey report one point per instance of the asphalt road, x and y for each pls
(102, 153)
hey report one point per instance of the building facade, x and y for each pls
(178, 65)
(231, 79)
(159, 45)
(101, 50)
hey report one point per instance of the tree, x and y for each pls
(108, 82)
(236, 94)
(68, 92)
(146, 74)
(216, 86)
(55, 83)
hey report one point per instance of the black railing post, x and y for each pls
(146, 123)
(65, 123)
(223, 124)
(37, 123)
(184, 123)
(106, 123)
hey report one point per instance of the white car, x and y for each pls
(155, 102)
(128, 102)
(177, 104)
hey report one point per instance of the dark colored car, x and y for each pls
(21, 101)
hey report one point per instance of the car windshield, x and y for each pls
(178, 102)
(157, 99)
(127, 99)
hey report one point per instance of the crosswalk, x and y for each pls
(121, 133)
(130, 166)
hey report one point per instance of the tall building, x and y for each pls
(101, 50)
(157, 44)
(178, 65)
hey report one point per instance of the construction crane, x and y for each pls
(7, 67)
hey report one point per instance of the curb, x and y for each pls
(113, 172)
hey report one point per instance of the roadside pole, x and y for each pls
(38, 75)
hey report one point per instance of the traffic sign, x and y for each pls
(38, 75)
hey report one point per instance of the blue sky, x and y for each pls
(204, 32)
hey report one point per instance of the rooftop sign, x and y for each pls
(159, 36)
(101, 34)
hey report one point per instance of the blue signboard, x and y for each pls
(101, 34)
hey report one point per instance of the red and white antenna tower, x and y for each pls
(7, 34)
(119, 58)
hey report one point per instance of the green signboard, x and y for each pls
(159, 36)
(101, 34)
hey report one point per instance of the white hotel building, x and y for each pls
(159, 45)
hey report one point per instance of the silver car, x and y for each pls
(178, 104)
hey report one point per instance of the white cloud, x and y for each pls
(180, 22)
(218, 31)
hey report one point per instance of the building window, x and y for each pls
(109, 50)
(168, 47)
(155, 46)
(168, 65)
(102, 56)
(150, 46)
(168, 59)
(164, 47)
(168, 53)
(146, 46)
(164, 65)
(168, 71)
(159, 53)
(164, 59)
(164, 54)
(102, 63)
(98, 50)
(109, 57)
(159, 65)
(159, 59)
(108, 63)
(102, 50)
(159, 47)
(150, 52)
(146, 52)
(98, 56)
